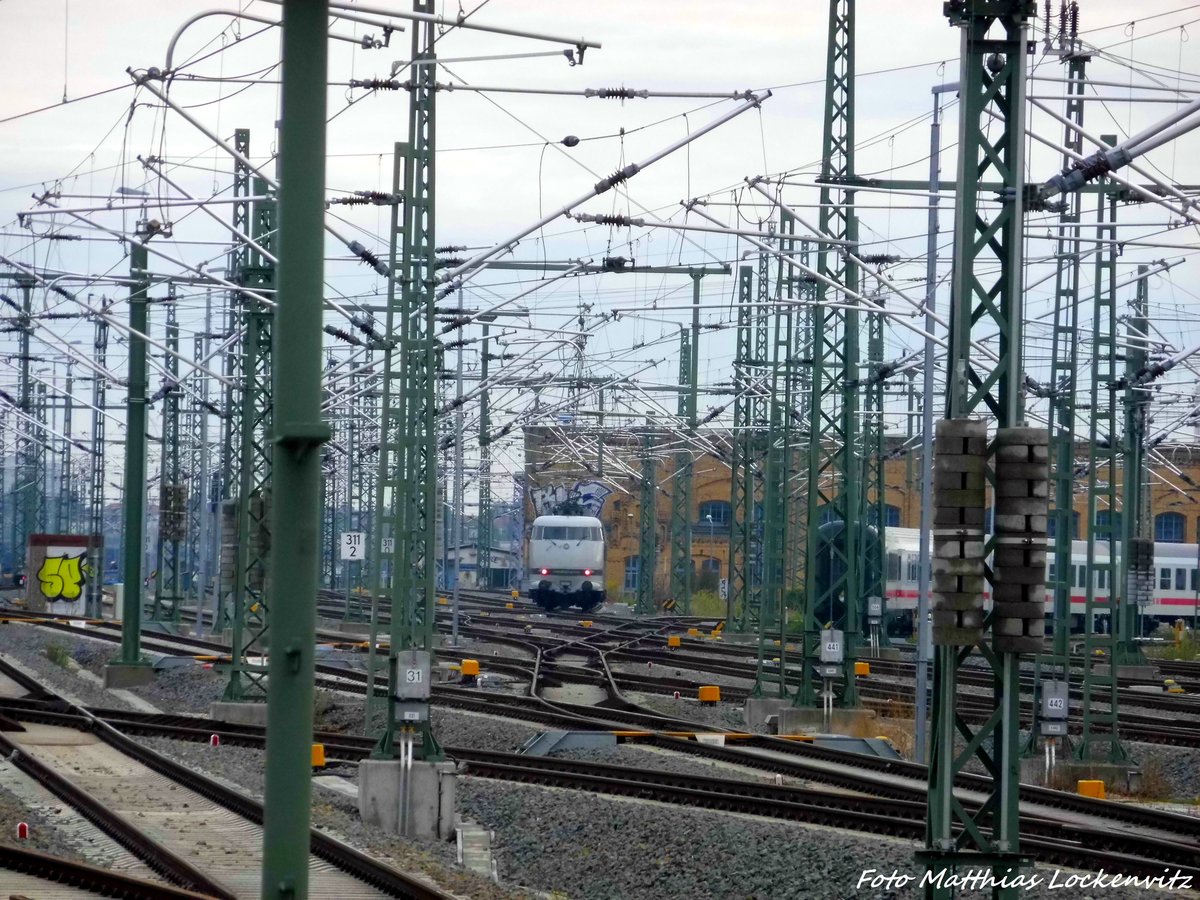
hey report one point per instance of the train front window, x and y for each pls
(568, 533)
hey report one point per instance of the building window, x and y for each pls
(632, 565)
(718, 509)
(1052, 525)
(1106, 518)
(828, 514)
(1169, 527)
(711, 565)
(891, 515)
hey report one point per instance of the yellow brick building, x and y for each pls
(601, 471)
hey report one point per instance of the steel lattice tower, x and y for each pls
(834, 451)
(985, 294)
(250, 610)
(406, 490)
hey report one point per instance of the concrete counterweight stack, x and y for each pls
(1140, 577)
(959, 494)
(1019, 560)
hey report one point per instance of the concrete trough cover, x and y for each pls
(848, 744)
(38, 735)
(176, 662)
(475, 849)
(546, 742)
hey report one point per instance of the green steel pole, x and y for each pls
(29, 474)
(834, 459)
(298, 433)
(1100, 725)
(681, 490)
(741, 511)
(135, 462)
(1064, 366)
(986, 289)
(647, 529)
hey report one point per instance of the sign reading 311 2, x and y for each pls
(354, 545)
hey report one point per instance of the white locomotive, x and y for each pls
(1176, 580)
(566, 562)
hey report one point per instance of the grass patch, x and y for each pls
(901, 733)
(58, 654)
(1154, 783)
(1187, 649)
(708, 604)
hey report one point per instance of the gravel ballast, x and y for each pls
(44, 835)
(675, 763)
(600, 848)
(28, 644)
(454, 728)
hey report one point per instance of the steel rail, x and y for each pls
(106, 882)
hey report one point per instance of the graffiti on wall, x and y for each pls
(585, 498)
(62, 574)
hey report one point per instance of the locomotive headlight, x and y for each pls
(587, 571)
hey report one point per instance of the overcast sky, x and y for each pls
(499, 164)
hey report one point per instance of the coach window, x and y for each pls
(1051, 571)
(1164, 579)
(893, 572)
(913, 567)
(1101, 580)
(1169, 527)
(1181, 579)
(1196, 579)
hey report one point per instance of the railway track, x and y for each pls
(29, 873)
(1048, 817)
(160, 810)
(1048, 840)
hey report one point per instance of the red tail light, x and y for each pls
(545, 571)
(587, 571)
